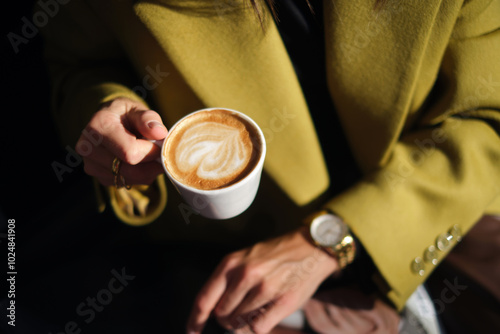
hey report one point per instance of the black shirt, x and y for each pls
(302, 32)
(304, 38)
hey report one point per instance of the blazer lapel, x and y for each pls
(374, 64)
(228, 60)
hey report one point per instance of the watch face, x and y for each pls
(328, 230)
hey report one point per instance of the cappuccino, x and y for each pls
(212, 149)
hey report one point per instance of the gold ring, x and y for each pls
(124, 184)
(115, 168)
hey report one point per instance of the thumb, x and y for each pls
(147, 123)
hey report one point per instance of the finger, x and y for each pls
(237, 291)
(118, 138)
(144, 173)
(271, 314)
(132, 150)
(246, 322)
(284, 330)
(107, 181)
(147, 123)
(85, 147)
(99, 155)
(318, 318)
(95, 169)
(210, 294)
(105, 177)
(259, 296)
(385, 318)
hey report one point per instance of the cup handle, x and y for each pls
(158, 143)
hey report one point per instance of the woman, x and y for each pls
(389, 120)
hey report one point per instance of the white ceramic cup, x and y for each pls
(225, 202)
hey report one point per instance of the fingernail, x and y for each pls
(154, 124)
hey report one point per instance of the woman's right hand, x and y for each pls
(121, 128)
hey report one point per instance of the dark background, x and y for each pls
(55, 221)
(65, 250)
(28, 138)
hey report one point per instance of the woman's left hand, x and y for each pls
(257, 287)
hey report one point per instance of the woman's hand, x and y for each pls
(116, 131)
(346, 310)
(257, 287)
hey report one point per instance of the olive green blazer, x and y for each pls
(416, 85)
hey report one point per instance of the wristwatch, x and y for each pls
(331, 233)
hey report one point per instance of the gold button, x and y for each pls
(443, 241)
(456, 233)
(431, 255)
(418, 266)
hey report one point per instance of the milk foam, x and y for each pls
(213, 150)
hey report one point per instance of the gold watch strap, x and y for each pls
(345, 251)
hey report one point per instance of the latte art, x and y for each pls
(211, 150)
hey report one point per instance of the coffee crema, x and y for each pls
(212, 149)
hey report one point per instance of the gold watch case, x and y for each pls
(331, 233)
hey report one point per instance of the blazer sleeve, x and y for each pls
(444, 173)
(87, 67)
